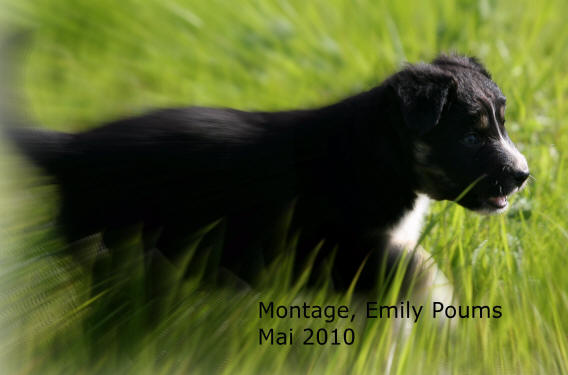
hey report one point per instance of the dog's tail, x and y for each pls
(44, 148)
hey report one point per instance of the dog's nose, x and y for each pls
(520, 176)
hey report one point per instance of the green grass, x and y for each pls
(92, 61)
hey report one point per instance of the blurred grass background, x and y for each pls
(92, 61)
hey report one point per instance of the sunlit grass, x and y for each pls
(95, 60)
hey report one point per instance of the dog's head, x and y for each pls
(455, 118)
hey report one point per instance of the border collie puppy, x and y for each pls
(354, 176)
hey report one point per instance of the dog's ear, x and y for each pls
(423, 92)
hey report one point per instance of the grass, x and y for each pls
(94, 61)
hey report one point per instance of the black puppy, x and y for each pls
(350, 173)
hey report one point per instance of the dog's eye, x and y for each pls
(472, 139)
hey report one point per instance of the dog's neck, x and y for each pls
(362, 128)
(361, 137)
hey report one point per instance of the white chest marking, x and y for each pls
(407, 231)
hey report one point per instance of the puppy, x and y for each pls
(354, 177)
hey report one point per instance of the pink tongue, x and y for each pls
(499, 201)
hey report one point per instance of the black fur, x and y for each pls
(347, 171)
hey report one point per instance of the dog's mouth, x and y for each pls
(491, 205)
(499, 202)
(490, 202)
(495, 203)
